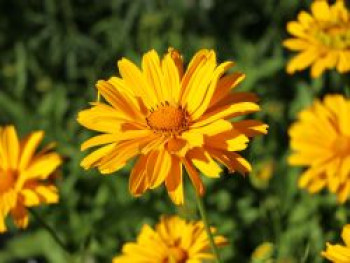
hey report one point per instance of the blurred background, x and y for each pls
(53, 52)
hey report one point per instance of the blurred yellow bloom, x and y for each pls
(322, 38)
(262, 173)
(263, 252)
(320, 139)
(169, 117)
(24, 175)
(339, 253)
(172, 241)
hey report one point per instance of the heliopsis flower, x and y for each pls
(168, 117)
(173, 240)
(339, 253)
(322, 37)
(320, 140)
(24, 175)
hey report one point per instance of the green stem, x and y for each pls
(49, 229)
(204, 217)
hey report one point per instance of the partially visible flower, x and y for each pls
(173, 240)
(24, 175)
(320, 139)
(263, 253)
(322, 38)
(170, 118)
(339, 253)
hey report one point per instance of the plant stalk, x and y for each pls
(204, 217)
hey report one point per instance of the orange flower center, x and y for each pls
(342, 145)
(335, 36)
(7, 180)
(176, 255)
(168, 119)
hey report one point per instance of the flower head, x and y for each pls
(173, 240)
(24, 175)
(322, 38)
(339, 253)
(169, 118)
(320, 139)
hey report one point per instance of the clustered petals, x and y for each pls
(24, 175)
(170, 118)
(174, 240)
(320, 140)
(321, 37)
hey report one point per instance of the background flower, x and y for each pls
(173, 240)
(24, 175)
(322, 38)
(320, 139)
(339, 253)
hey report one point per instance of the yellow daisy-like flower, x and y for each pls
(170, 118)
(339, 253)
(321, 140)
(322, 38)
(24, 175)
(173, 241)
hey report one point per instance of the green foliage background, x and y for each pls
(52, 53)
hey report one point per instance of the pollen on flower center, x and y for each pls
(342, 145)
(334, 36)
(176, 255)
(167, 118)
(7, 180)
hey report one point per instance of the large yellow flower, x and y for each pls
(24, 175)
(339, 253)
(322, 38)
(321, 140)
(173, 241)
(170, 118)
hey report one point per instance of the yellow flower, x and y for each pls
(263, 252)
(339, 253)
(322, 38)
(169, 118)
(172, 241)
(24, 175)
(321, 140)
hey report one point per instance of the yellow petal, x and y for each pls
(224, 86)
(154, 76)
(206, 94)
(94, 157)
(158, 167)
(173, 182)
(302, 60)
(135, 80)
(29, 146)
(320, 10)
(202, 160)
(171, 79)
(346, 234)
(296, 44)
(228, 112)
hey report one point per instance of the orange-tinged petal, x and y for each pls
(203, 162)
(194, 176)
(138, 182)
(173, 181)
(20, 216)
